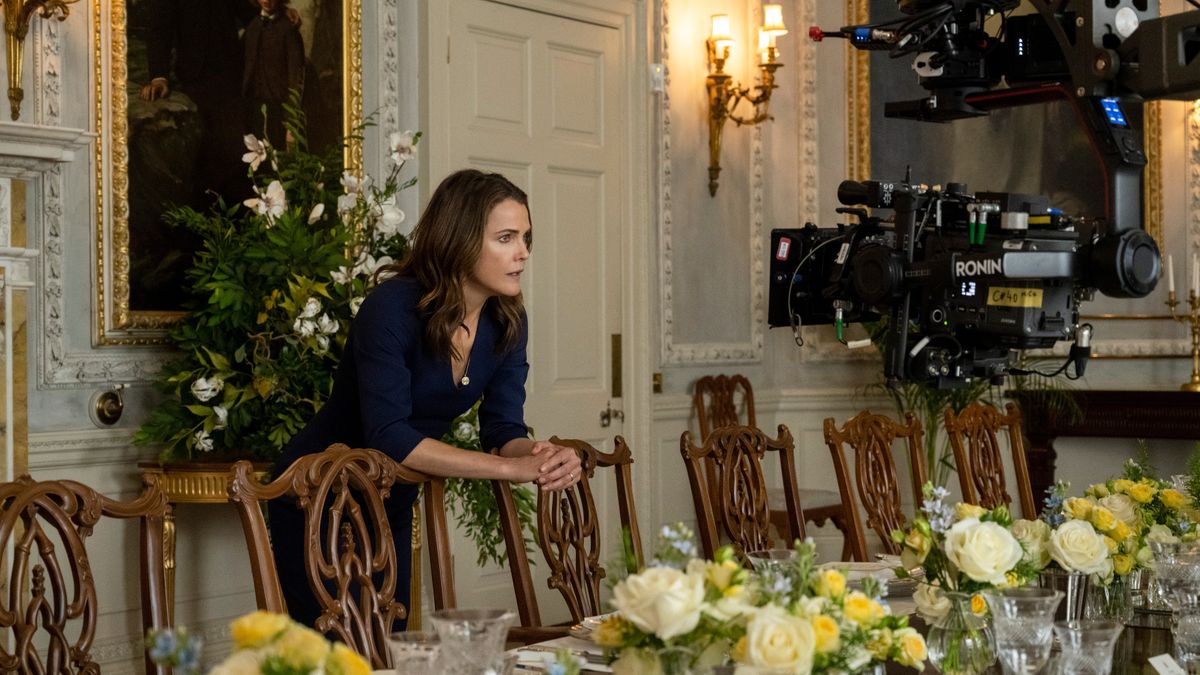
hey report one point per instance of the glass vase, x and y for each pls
(1113, 602)
(960, 643)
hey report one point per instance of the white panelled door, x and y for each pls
(535, 96)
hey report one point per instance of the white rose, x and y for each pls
(1123, 507)
(1033, 535)
(245, 662)
(661, 600)
(1161, 534)
(222, 416)
(1079, 548)
(931, 603)
(637, 662)
(779, 641)
(204, 389)
(984, 551)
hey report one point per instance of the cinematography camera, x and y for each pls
(962, 280)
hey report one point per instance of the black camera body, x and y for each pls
(990, 273)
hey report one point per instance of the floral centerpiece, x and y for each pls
(264, 644)
(684, 614)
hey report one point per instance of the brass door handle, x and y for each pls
(608, 415)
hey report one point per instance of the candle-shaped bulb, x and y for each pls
(773, 20)
(1195, 274)
(1170, 274)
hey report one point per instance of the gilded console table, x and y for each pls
(1100, 413)
(207, 483)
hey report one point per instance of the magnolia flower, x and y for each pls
(204, 389)
(204, 442)
(257, 151)
(327, 325)
(312, 307)
(387, 218)
(355, 303)
(464, 431)
(304, 327)
(401, 146)
(316, 213)
(322, 343)
(354, 184)
(222, 416)
(347, 202)
(271, 203)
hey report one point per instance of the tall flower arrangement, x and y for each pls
(271, 293)
(683, 614)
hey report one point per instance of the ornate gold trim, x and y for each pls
(112, 126)
(1152, 179)
(196, 483)
(858, 97)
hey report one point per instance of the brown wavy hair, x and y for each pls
(446, 244)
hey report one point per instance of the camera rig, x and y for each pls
(965, 279)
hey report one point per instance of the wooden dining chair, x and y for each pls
(49, 607)
(568, 535)
(875, 483)
(974, 436)
(350, 556)
(737, 506)
(728, 400)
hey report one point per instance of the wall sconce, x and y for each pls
(17, 16)
(724, 96)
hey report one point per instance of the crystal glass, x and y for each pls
(771, 559)
(1114, 601)
(414, 652)
(1073, 586)
(472, 639)
(1023, 624)
(960, 642)
(1177, 569)
(1087, 646)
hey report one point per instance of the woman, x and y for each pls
(446, 328)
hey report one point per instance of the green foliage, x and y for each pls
(1193, 474)
(472, 502)
(269, 299)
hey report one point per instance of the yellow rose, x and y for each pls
(343, 661)
(1122, 531)
(963, 511)
(1122, 563)
(1111, 544)
(917, 545)
(1142, 493)
(1078, 508)
(880, 643)
(1173, 499)
(610, 632)
(862, 610)
(257, 629)
(1098, 490)
(721, 575)
(302, 647)
(827, 632)
(912, 648)
(831, 583)
(1103, 519)
(739, 650)
(978, 604)
(1122, 485)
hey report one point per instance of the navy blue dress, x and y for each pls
(389, 393)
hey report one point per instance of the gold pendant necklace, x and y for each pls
(465, 380)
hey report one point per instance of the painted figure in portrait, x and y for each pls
(200, 74)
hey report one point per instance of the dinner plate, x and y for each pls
(884, 570)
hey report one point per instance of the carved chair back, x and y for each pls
(437, 538)
(737, 505)
(974, 436)
(49, 607)
(568, 533)
(875, 486)
(350, 556)
(716, 400)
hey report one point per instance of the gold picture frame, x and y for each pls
(118, 322)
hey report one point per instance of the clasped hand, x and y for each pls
(552, 467)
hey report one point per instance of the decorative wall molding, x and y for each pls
(1193, 179)
(750, 351)
(389, 67)
(809, 188)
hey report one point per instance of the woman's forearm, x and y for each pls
(436, 458)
